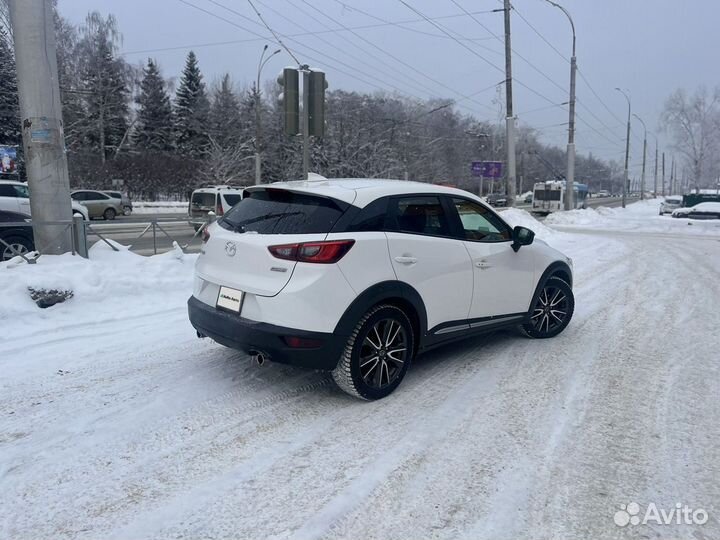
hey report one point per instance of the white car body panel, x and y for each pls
(22, 204)
(441, 272)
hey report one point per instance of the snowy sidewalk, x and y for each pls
(117, 422)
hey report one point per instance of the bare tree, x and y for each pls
(693, 123)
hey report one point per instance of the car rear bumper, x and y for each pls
(233, 331)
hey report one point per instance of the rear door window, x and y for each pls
(419, 215)
(232, 198)
(277, 211)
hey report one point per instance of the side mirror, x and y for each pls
(522, 236)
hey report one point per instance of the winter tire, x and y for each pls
(377, 354)
(109, 214)
(551, 310)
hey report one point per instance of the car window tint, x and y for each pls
(421, 215)
(6, 190)
(232, 198)
(371, 218)
(479, 223)
(277, 211)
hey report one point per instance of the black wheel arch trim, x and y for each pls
(375, 294)
(557, 267)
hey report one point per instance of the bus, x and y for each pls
(549, 196)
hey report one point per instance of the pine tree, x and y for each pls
(191, 111)
(9, 107)
(226, 125)
(154, 130)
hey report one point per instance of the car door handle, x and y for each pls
(406, 260)
(483, 264)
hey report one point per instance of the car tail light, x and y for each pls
(219, 210)
(205, 235)
(302, 343)
(327, 252)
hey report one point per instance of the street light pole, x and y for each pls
(258, 106)
(509, 120)
(655, 175)
(570, 180)
(642, 178)
(627, 150)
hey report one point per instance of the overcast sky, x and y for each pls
(649, 47)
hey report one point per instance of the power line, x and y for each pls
(540, 35)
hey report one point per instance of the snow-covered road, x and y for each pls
(129, 427)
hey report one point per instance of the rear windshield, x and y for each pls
(673, 201)
(232, 198)
(547, 195)
(203, 199)
(275, 211)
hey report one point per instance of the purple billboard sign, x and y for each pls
(487, 169)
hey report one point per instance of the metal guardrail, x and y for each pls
(82, 230)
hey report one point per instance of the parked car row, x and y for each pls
(703, 210)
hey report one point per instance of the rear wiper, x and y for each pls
(240, 227)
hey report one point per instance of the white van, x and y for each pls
(217, 199)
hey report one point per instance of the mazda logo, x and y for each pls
(230, 249)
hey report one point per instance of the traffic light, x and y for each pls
(290, 99)
(316, 110)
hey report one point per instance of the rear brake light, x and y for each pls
(327, 252)
(219, 211)
(205, 235)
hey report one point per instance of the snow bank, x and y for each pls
(517, 216)
(117, 284)
(641, 216)
(160, 207)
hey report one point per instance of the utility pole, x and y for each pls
(672, 176)
(258, 119)
(570, 180)
(41, 120)
(509, 120)
(642, 181)
(663, 174)
(627, 150)
(655, 177)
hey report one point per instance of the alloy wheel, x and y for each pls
(383, 353)
(9, 253)
(550, 310)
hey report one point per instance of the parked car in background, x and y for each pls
(99, 204)
(704, 210)
(15, 197)
(603, 193)
(357, 276)
(15, 238)
(670, 204)
(124, 200)
(216, 199)
(497, 199)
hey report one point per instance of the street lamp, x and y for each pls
(258, 126)
(655, 174)
(627, 149)
(642, 178)
(570, 180)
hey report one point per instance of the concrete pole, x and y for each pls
(509, 120)
(570, 179)
(655, 176)
(306, 121)
(41, 120)
(663, 174)
(627, 150)
(642, 181)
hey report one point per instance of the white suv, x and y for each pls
(671, 204)
(358, 276)
(15, 197)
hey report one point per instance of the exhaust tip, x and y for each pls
(258, 358)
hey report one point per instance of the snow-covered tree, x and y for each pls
(154, 129)
(104, 84)
(9, 108)
(192, 109)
